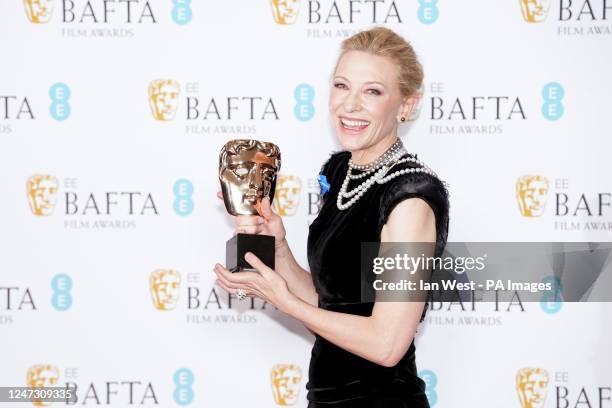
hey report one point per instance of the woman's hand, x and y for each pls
(265, 284)
(267, 223)
(297, 279)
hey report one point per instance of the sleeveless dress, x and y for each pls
(338, 378)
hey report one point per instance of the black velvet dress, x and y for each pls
(338, 378)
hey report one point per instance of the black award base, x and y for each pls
(235, 248)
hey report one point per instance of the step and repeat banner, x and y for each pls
(112, 115)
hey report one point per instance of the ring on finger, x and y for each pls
(241, 294)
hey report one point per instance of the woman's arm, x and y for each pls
(299, 280)
(383, 337)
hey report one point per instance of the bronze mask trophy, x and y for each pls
(247, 173)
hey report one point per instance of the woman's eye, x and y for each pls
(339, 85)
(373, 91)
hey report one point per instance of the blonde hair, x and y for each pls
(384, 42)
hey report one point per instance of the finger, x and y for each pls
(257, 264)
(226, 284)
(248, 220)
(249, 292)
(249, 229)
(239, 278)
(266, 208)
(220, 195)
(233, 290)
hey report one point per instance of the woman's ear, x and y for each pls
(407, 106)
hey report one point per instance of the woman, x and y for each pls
(364, 353)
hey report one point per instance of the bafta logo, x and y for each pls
(534, 11)
(285, 11)
(164, 285)
(42, 193)
(531, 384)
(163, 98)
(286, 379)
(531, 192)
(287, 195)
(38, 11)
(42, 375)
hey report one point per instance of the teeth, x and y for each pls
(353, 123)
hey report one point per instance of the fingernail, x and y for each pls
(248, 256)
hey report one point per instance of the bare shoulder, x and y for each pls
(411, 220)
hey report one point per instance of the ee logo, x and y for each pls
(183, 203)
(60, 94)
(431, 380)
(428, 11)
(183, 380)
(181, 11)
(553, 93)
(62, 298)
(304, 95)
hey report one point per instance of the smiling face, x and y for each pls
(365, 104)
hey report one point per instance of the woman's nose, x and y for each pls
(352, 102)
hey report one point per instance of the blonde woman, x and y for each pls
(364, 353)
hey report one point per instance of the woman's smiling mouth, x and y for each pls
(353, 126)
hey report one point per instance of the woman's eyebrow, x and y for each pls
(376, 82)
(366, 83)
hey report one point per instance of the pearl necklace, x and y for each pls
(388, 154)
(380, 167)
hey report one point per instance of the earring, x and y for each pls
(403, 119)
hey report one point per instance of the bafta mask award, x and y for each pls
(247, 173)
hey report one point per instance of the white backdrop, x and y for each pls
(74, 104)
